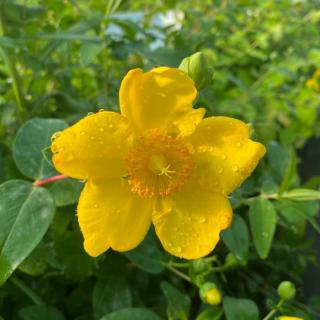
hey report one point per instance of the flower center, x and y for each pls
(158, 165)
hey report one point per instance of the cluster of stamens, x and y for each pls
(158, 165)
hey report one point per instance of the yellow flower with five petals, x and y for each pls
(157, 162)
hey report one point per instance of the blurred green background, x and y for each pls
(63, 59)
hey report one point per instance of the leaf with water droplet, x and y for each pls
(263, 219)
(30, 140)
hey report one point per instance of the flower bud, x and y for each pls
(286, 290)
(210, 294)
(197, 69)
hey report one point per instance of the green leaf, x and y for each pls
(25, 215)
(236, 238)
(278, 159)
(88, 51)
(290, 173)
(213, 313)
(29, 142)
(147, 256)
(41, 313)
(240, 309)
(36, 262)
(65, 192)
(47, 154)
(178, 303)
(263, 220)
(132, 314)
(297, 211)
(75, 262)
(301, 195)
(111, 294)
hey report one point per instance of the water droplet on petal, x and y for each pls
(223, 156)
(202, 219)
(82, 133)
(178, 249)
(101, 129)
(110, 125)
(239, 144)
(101, 110)
(220, 169)
(235, 168)
(90, 113)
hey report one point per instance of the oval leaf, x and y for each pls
(132, 314)
(25, 215)
(178, 303)
(29, 142)
(41, 313)
(236, 238)
(111, 294)
(240, 309)
(263, 220)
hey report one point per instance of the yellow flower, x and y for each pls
(158, 161)
(289, 318)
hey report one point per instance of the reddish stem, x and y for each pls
(39, 183)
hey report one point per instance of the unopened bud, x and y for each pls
(286, 290)
(197, 69)
(210, 294)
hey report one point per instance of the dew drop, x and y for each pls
(223, 156)
(82, 133)
(235, 169)
(265, 234)
(202, 219)
(90, 113)
(220, 170)
(178, 249)
(110, 125)
(101, 110)
(239, 144)
(101, 129)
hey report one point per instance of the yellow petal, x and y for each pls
(289, 318)
(224, 154)
(94, 147)
(157, 98)
(188, 223)
(110, 215)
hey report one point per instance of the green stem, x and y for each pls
(179, 273)
(9, 58)
(274, 310)
(25, 289)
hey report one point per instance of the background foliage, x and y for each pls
(60, 60)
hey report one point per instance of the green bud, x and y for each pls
(210, 294)
(286, 290)
(231, 260)
(197, 69)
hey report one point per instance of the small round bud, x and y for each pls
(210, 294)
(286, 290)
(197, 69)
